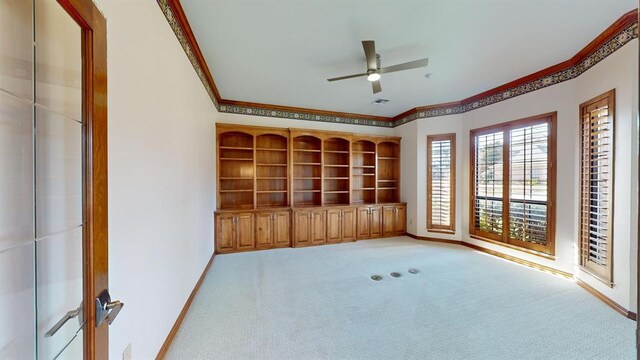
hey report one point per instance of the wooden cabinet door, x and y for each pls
(400, 223)
(264, 230)
(245, 238)
(348, 224)
(375, 222)
(333, 225)
(225, 232)
(388, 220)
(281, 226)
(318, 226)
(301, 228)
(363, 222)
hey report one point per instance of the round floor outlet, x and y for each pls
(395, 274)
(376, 277)
(414, 271)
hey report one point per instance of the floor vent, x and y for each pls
(376, 277)
(395, 274)
(414, 271)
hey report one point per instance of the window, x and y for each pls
(596, 185)
(441, 183)
(513, 183)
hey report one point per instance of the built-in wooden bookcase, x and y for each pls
(363, 165)
(307, 170)
(272, 169)
(336, 160)
(388, 172)
(236, 170)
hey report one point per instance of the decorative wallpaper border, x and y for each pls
(621, 38)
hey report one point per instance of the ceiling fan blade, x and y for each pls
(370, 53)
(405, 66)
(347, 77)
(376, 86)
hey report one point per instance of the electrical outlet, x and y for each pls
(126, 354)
(410, 221)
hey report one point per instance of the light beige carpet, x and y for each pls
(320, 303)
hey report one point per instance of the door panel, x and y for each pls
(58, 60)
(59, 279)
(349, 224)
(16, 48)
(376, 222)
(264, 230)
(400, 220)
(333, 225)
(244, 231)
(17, 301)
(388, 220)
(224, 233)
(318, 227)
(281, 226)
(59, 173)
(16, 171)
(301, 228)
(363, 222)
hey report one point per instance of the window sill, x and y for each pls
(442, 231)
(514, 247)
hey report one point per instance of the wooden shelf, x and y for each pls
(363, 152)
(270, 191)
(302, 163)
(336, 165)
(308, 150)
(306, 191)
(364, 189)
(387, 158)
(337, 151)
(308, 178)
(236, 178)
(363, 174)
(269, 149)
(364, 166)
(236, 191)
(234, 148)
(272, 178)
(271, 164)
(336, 178)
(236, 159)
(337, 192)
(387, 180)
(388, 188)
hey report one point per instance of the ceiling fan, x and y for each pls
(373, 66)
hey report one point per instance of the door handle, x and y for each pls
(71, 314)
(107, 310)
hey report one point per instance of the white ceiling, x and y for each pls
(282, 51)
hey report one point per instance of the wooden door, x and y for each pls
(245, 239)
(388, 220)
(225, 233)
(281, 226)
(301, 228)
(334, 217)
(264, 230)
(400, 223)
(318, 226)
(348, 224)
(375, 222)
(363, 222)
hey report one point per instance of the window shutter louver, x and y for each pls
(596, 186)
(441, 182)
(488, 182)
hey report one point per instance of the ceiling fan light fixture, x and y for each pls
(373, 76)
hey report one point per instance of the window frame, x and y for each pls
(606, 278)
(451, 228)
(548, 250)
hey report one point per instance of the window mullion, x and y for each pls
(506, 136)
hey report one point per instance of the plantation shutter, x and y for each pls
(528, 173)
(596, 183)
(440, 182)
(488, 182)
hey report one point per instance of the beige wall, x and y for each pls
(161, 178)
(618, 71)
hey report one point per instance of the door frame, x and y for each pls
(94, 108)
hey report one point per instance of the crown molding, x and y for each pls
(621, 32)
